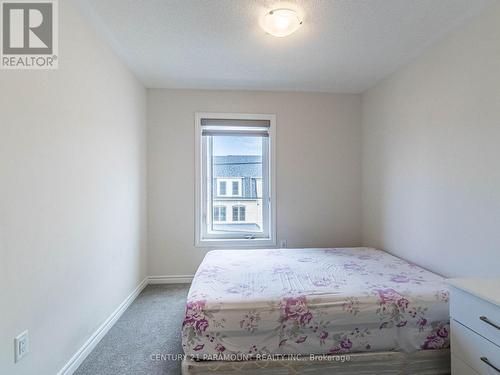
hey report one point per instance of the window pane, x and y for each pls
(222, 188)
(222, 214)
(235, 188)
(237, 161)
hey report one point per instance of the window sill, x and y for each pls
(236, 243)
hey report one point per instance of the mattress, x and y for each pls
(253, 304)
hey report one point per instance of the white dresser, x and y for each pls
(475, 326)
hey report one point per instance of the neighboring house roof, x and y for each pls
(238, 166)
(247, 167)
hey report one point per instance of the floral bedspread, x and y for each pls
(313, 301)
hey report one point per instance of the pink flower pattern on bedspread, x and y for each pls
(313, 301)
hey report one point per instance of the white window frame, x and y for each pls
(202, 238)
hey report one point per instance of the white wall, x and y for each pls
(72, 197)
(318, 169)
(73, 171)
(431, 155)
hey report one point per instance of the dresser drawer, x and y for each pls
(469, 347)
(470, 310)
(459, 367)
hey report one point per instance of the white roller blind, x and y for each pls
(230, 127)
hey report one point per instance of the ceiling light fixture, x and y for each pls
(281, 22)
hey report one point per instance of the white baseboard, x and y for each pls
(82, 353)
(174, 279)
(75, 361)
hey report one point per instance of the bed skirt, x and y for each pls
(425, 362)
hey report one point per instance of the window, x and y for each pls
(238, 213)
(235, 171)
(223, 183)
(236, 188)
(219, 213)
(222, 187)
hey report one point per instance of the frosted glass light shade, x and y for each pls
(281, 22)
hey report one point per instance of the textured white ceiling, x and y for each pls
(343, 45)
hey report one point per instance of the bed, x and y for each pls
(290, 308)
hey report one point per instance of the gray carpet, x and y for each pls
(150, 326)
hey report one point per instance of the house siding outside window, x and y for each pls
(241, 176)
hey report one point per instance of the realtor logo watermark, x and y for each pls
(29, 34)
